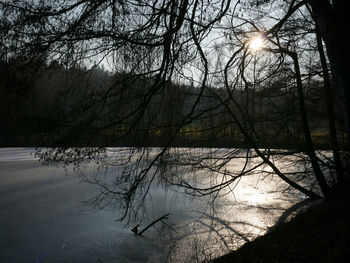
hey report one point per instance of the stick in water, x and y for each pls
(135, 229)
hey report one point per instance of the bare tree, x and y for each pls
(204, 44)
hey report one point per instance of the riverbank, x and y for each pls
(320, 234)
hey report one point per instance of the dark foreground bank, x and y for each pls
(321, 234)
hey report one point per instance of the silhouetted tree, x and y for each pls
(205, 44)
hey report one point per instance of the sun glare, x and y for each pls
(256, 43)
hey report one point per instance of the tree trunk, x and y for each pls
(332, 21)
(309, 147)
(330, 111)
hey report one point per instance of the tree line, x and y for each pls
(59, 105)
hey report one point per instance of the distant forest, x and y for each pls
(50, 104)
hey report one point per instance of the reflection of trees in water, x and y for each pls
(202, 223)
(126, 176)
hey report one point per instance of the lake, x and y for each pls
(44, 217)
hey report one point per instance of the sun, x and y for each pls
(256, 43)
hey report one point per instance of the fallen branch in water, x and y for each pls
(136, 228)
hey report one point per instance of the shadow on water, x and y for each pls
(214, 232)
(199, 229)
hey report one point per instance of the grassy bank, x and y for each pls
(321, 234)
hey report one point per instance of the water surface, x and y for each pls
(43, 218)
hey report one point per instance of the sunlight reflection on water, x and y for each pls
(202, 228)
(213, 229)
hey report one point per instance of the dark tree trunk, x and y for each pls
(309, 147)
(330, 111)
(332, 22)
